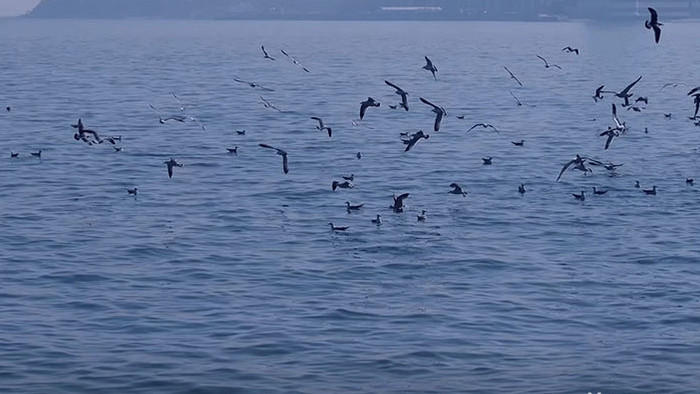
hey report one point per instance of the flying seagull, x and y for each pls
(414, 139)
(598, 95)
(285, 163)
(268, 104)
(370, 102)
(402, 93)
(483, 125)
(546, 63)
(171, 163)
(294, 61)
(611, 133)
(321, 126)
(439, 113)
(457, 189)
(266, 56)
(625, 93)
(619, 126)
(253, 85)
(579, 162)
(654, 24)
(570, 49)
(514, 77)
(518, 102)
(430, 67)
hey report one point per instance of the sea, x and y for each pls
(227, 277)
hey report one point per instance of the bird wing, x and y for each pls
(693, 90)
(268, 146)
(170, 169)
(615, 118)
(285, 163)
(564, 168)
(398, 89)
(319, 120)
(609, 140)
(654, 16)
(543, 59)
(429, 103)
(363, 108)
(429, 63)
(475, 126)
(399, 199)
(438, 119)
(657, 33)
(630, 86)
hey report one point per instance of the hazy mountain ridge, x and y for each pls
(362, 9)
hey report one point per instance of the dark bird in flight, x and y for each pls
(513, 76)
(570, 49)
(625, 93)
(370, 102)
(439, 113)
(171, 163)
(342, 185)
(580, 164)
(253, 85)
(654, 24)
(266, 56)
(457, 189)
(321, 126)
(430, 67)
(402, 93)
(294, 61)
(483, 125)
(546, 63)
(414, 139)
(285, 162)
(611, 133)
(598, 95)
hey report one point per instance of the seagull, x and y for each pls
(611, 133)
(689, 181)
(82, 131)
(518, 143)
(414, 139)
(514, 77)
(14, 154)
(634, 108)
(625, 93)
(546, 64)
(342, 185)
(598, 192)
(579, 162)
(233, 150)
(378, 220)
(422, 216)
(36, 154)
(398, 205)
(240, 132)
(117, 149)
(321, 126)
(439, 113)
(334, 228)
(162, 120)
(487, 161)
(266, 56)
(518, 102)
(370, 102)
(484, 125)
(253, 85)
(430, 67)
(570, 49)
(294, 61)
(457, 189)
(351, 208)
(285, 162)
(268, 104)
(619, 126)
(654, 24)
(598, 95)
(651, 191)
(521, 189)
(668, 115)
(580, 197)
(133, 191)
(171, 163)
(400, 92)
(645, 100)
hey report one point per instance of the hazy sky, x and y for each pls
(16, 7)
